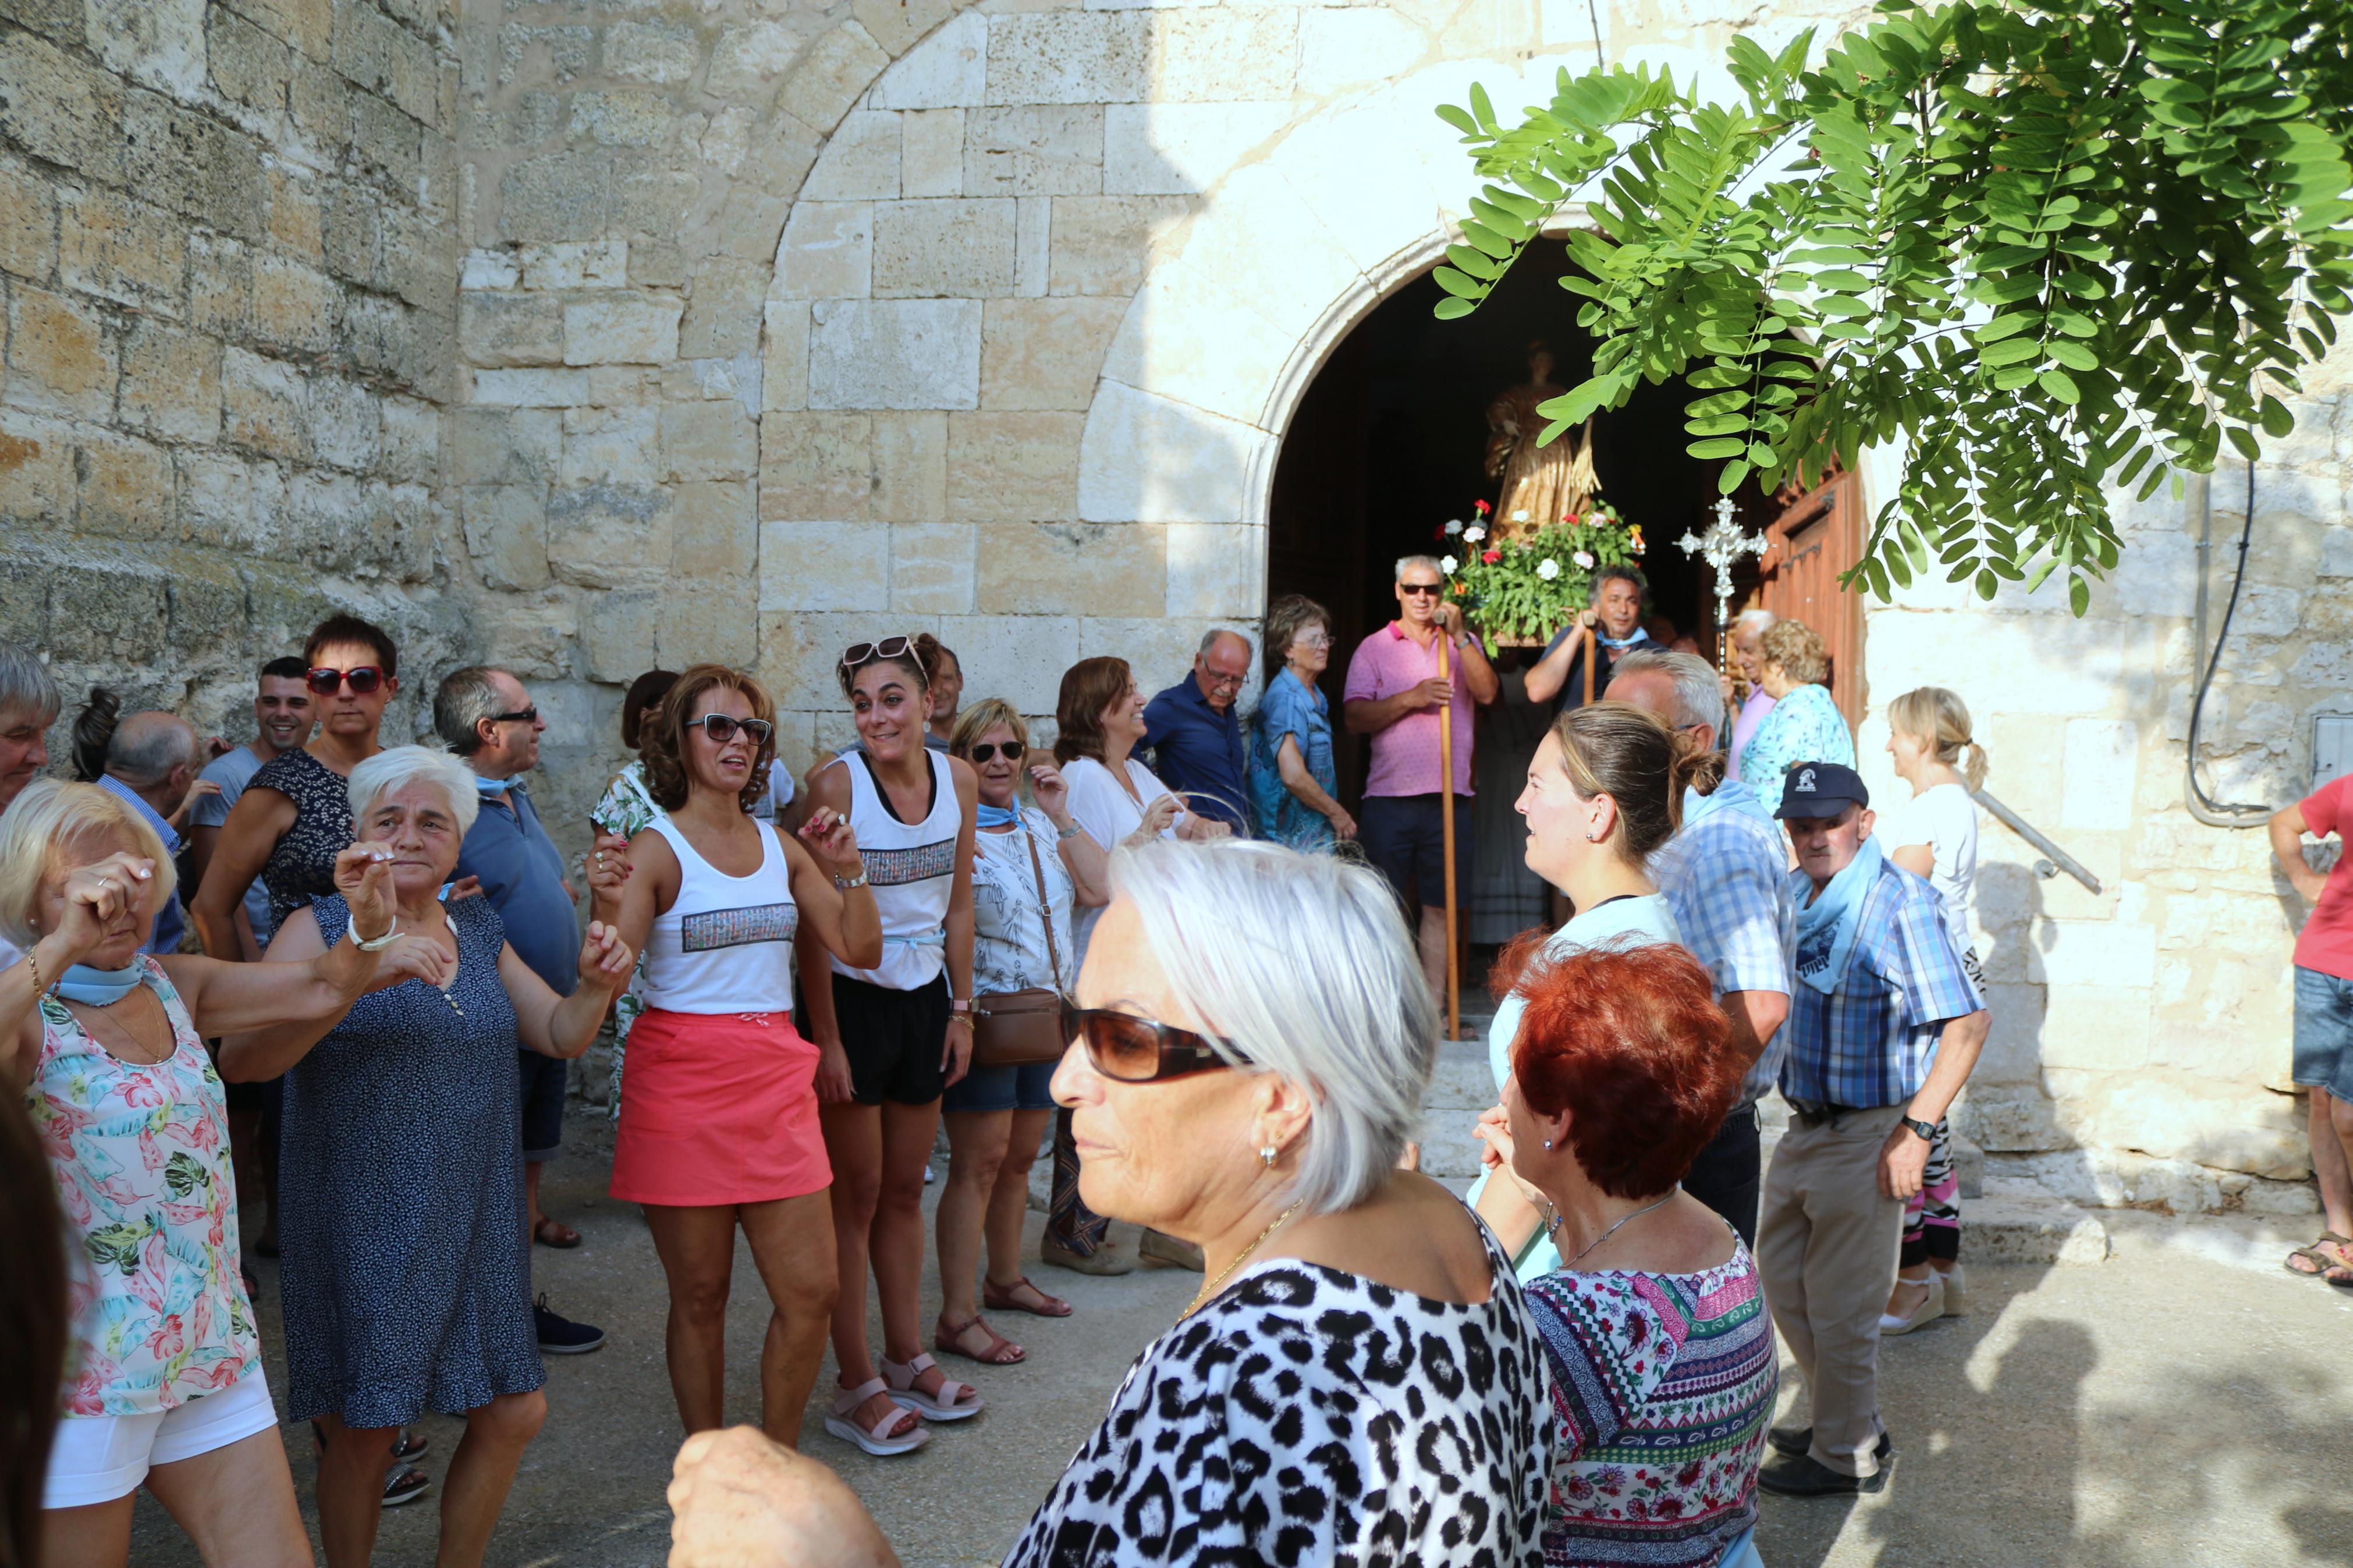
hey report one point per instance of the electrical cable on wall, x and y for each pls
(2203, 806)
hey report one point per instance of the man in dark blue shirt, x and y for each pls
(486, 716)
(1195, 737)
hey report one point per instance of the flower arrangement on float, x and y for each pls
(1519, 587)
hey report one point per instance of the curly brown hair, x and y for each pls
(661, 740)
(1285, 619)
(1088, 687)
(1798, 650)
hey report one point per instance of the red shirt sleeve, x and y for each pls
(2323, 808)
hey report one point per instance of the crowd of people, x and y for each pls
(1163, 949)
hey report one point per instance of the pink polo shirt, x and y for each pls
(1404, 755)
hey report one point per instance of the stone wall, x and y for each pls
(229, 277)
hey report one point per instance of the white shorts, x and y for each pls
(98, 1458)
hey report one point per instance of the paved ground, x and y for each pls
(2181, 1404)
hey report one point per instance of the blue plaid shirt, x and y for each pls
(1723, 876)
(1872, 1041)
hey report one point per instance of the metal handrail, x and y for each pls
(2054, 860)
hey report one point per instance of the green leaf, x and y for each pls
(1722, 446)
(2061, 386)
(2010, 350)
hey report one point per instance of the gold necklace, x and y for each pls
(1210, 1288)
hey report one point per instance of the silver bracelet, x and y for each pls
(847, 883)
(1065, 834)
(379, 944)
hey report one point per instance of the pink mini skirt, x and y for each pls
(721, 1108)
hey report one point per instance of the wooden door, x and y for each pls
(1818, 535)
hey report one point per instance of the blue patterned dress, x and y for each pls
(1292, 708)
(1806, 726)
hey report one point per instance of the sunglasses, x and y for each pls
(987, 749)
(721, 728)
(1128, 1049)
(325, 682)
(519, 716)
(860, 652)
(1418, 589)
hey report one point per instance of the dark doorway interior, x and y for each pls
(1390, 439)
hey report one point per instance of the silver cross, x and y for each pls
(1720, 546)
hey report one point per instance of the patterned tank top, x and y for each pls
(302, 864)
(141, 1155)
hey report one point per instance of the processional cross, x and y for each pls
(1720, 546)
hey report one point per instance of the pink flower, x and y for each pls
(169, 1340)
(1491, 556)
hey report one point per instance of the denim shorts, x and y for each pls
(2324, 1032)
(1003, 1089)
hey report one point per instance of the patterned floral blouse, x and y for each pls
(1806, 726)
(627, 808)
(1009, 925)
(141, 1155)
(1662, 1384)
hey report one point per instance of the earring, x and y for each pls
(1591, 837)
(1266, 1156)
(1548, 1142)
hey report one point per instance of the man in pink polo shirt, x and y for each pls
(1393, 695)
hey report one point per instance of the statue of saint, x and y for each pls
(1546, 483)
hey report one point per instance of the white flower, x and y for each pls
(1453, 525)
(1584, 558)
(1519, 517)
(1474, 535)
(1447, 565)
(1547, 569)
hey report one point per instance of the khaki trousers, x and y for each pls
(1827, 1244)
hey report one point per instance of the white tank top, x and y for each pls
(912, 867)
(726, 944)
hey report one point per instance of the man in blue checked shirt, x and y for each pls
(1726, 876)
(1883, 1029)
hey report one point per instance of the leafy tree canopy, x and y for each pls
(2042, 243)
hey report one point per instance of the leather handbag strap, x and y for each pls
(1045, 904)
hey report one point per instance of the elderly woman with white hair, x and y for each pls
(1358, 1379)
(165, 1385)
(405, 1278)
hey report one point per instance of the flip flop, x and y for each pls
(844, 1423)
(993, 1353)
(944, 1405)
(1006, 1298)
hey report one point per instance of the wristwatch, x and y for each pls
(846, 883)
(1925, 1129)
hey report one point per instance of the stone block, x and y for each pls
(1217, 570)
(506, 533)
(576, 264)
(831, 75)
(171, 383)
(1223, 52)
(930, 152)
(1066, 568)
(351, 230)
(827, 251)
(627, 118)
(2112, 954)
(346, 424)
(1106, 244)
(609, 536)
(1068, 57)
(1017, 657)
(609, 446)
(1182, 149)
(58, 109)
(952, 247)
(714, 621)
(809, 566)
(28, 221)
(658, 54)
(125, 486)
(797, 653)
(1340, 50)
(1146, 458)
(1044, 353)
(534, 638)
(63, 21)
(750, 59)
(2226, 1127)
(220, 287)
(910, 468)
(1043, 150)
(722, 309)
(491, 269)
(2100, 1028)
(894, 353)
(561, 195)
(714, 531)
(616, 634)
(947, 70)
(708, 441)
(784, 373)
(36, 468)
(319, 103)
(216, 503)
(650, 195)
(2100, 761)
(933, 568)
(860, 161)
(118, 249)
(294, 309)
(412, 439)
(531, 388)
(60, 357)
(621, 328)
(262, 406)
(510, 328)
(1013, 467)
(2337, 552)
(247, 65)
(121, 614)
(816, 466)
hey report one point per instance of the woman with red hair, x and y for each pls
(1658, 1346)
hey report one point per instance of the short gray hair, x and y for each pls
(1304, 963)
(464, 698)
(26, 687)
(397, 767)
(1210, 640)
(1699, 697)
(146, 747)
(1408, 561)
(1756, 619)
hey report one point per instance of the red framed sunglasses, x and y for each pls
(325, 682)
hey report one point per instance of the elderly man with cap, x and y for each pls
(1883, 1028)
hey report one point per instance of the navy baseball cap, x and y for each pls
(1821, 789)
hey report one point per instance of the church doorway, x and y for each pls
(1389, 442)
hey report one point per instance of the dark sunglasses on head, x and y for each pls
(326, 682)
(1128, 1049)
(519, 716)
(987, 749)
(860, 652)
(721, 728)
(1421, 588)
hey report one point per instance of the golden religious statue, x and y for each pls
(1541, 484)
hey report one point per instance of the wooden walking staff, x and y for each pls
(1446, 819)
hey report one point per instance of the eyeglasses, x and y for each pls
(860, 652)
(723, 728)
(1313, 640)
(1216, 681)
(1417, 589)
(1128, 1049)
(519, 716)
(326, 682)
(986, 750)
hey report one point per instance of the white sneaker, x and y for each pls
(1928, 1312)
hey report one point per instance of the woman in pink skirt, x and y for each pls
(720, 1125)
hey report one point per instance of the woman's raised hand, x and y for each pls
(608, 869)
(739, 1499)
(1496, 1133)
(414, 956)
(97, 896)
(1052, 789)
(364, 876)
(828, 836)
(1164, 810)
(606, 960)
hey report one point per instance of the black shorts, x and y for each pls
(1405, 838)
(894, 1040)
(541, 1080)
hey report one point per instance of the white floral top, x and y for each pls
(629, 809)
(141, 1156)
(1008, 927)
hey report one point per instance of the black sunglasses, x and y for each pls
(987, 749)
(1419, 588)
(721, 728)
(519, 716)
(1128, 1049)
(326, 682)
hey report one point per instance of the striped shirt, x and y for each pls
(1872, 1041)
(1723, 876)
(1662, 1386)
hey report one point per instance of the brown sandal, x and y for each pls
(554, 1233)
(947, 1340)
(1008, 1299)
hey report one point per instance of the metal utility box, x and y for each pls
(2332, 747)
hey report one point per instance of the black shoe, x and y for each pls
(403, 1485)
(1799, 1439)
(1796, 1475)
(562, 1336)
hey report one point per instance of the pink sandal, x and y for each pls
(946, 1406)
(844, 1423)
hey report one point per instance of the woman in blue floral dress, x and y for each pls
(1294, 786)
(1805, 725)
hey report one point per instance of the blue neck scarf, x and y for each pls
(1613, 644)
(99, 987)
(998, 816)
(494, 787)
(1828, 926)
(1730, 793)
